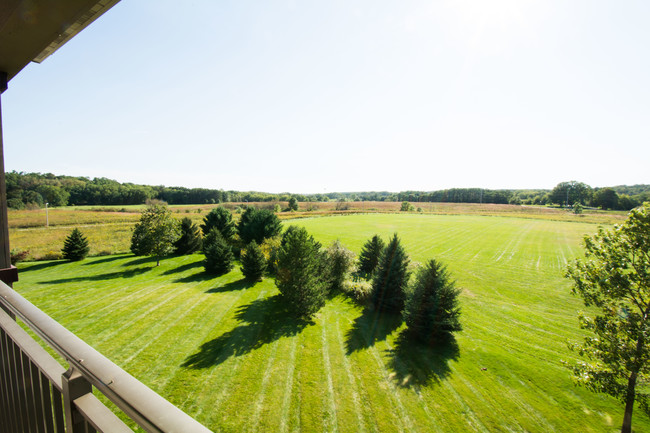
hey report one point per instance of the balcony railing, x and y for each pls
(37, 394)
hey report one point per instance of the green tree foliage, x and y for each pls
(615, 279)
(407, 207)
(154, 235)
(391, 278)
(298, 277)
(432, 310)
(369, 256)
(221, 219)
(253, 262)
(218, 254)
(293, 204)
(340, 263)
(606, 198)
(190, 238)
(75, 246)
(568, 193)
(258, 224)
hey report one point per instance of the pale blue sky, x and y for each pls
(313, 96)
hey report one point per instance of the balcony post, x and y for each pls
(74, 386)
(8, 273)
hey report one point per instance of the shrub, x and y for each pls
(75, 246)
(407, 207)
(253, 262)
(341, 263)
(358, 289)
(431, 310)
(18, 255)
(270, 248)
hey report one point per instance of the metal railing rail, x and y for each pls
(25, 368)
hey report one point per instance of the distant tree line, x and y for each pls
(33, 190)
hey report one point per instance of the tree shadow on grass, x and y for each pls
(141, 261)
(263, 321)
(102, 277)
(39, 266)
(370, 327)
(232, 286)
(185, 267)
(104, 260)
(415, 364)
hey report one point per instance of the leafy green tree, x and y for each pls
(615, 279)
(298, 277)
(340, 263)
(190, 238)
(253, 262)
(154, 235)
(258, 224)
(75, 246)
(407, 207)
(391, 278)
(293, 204)
(606, 198)
(221, 219)
(432, 310)
(218, 254)
(568, 193)
(369, 256)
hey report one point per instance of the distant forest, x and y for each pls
(33, 190)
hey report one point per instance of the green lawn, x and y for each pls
(227, 353)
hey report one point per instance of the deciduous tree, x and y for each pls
(615, 279)
(155, 233)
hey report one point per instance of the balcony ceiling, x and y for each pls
(31, 30)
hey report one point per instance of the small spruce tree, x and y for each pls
(298, 277)
(75, 246)
(253, 262)
(190, 240)
(370, 253)
(218, 254)
(391, 278)
(432, 310)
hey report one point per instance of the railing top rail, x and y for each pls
(151, 411)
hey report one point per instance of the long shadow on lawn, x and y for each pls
(185, 267)
(104, 260)
(415, 364)
(39, 266)
(263, 321)
(102, 277)
(141, 261)
(232, 286)
(370, 327)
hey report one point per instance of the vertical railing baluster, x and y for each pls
(5, 383)
(57, 405)
(38, 398)
(47, 404)
(18, 395)
(26, 369)
(74, 386)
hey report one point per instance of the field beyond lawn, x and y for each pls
(226, 352)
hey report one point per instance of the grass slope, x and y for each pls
(226, 352)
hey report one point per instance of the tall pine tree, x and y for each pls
(221, 219)
(190, 240)
(218, 254)
(253, 262)
(369, 256)
(391, 278)
(432, 309)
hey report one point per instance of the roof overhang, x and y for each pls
(31, 30)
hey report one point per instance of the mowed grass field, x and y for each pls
(227, 353)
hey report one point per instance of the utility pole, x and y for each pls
(47, 216)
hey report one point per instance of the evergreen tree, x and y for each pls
(298, 278)
(218, 254)
(370, 253)
(190, 240)
(257, 225)
(154, 235)
(221, 219)
(75, 246)
(432, 310)
(391, 278)
(253, 262)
